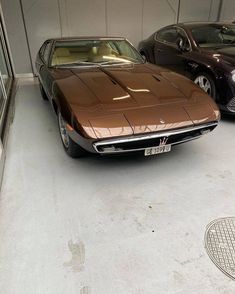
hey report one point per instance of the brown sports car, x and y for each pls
(108, 100)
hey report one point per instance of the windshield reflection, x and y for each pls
(94, 53)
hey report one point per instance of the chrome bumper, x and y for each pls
(130, 143)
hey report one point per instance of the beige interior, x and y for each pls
(69, 55)
(103, 50)
(61, 55)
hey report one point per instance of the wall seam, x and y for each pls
(178, 11)
(106, 17)
(209, 16)
(220, 10)
(5, 32)
(60, 18)
(142, 21)
(26, 35)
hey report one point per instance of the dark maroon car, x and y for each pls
(204, 52)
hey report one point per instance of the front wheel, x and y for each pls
(206, 83)
(71, 148)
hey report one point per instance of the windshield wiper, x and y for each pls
(116, 62)
(97, 64)
(78, 62)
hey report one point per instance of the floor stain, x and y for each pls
(226, 174)
(177, 276)
(78, 257)
(85, 290)
(54, 194)
(190, 260)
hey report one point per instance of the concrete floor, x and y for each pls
(119, 225)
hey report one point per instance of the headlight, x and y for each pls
(233, 75)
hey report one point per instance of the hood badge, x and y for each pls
(163, 141)
(162, 121)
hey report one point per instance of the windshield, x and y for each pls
(214, 35)
(94, 53)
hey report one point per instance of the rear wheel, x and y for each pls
(43, 93)
(71, 148)
(206, 83)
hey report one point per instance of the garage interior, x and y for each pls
(126, 224)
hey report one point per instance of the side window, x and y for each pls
(168, 35)
(181, 35)
(46, 53)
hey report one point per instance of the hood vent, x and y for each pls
(156, 78)
(114, 82)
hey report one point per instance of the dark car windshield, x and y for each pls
(94, 53)
(214, 35)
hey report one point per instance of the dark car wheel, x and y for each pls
(71, 148)
(43, 93)
(206, 83)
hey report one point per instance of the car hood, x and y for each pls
(132, 99)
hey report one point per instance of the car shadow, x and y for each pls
(138, 160)
(228, 117)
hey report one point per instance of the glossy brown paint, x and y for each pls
(132, 100)
(127, 100)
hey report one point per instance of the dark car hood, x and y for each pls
(227, 54)
(116, 101)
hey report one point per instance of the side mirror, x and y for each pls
(180, 44)
(144, 58)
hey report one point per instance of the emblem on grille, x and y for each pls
(163, 141)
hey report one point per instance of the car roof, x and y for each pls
(85, 38)
(195, 24)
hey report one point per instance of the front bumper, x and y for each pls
(140, 142)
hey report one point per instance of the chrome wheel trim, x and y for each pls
(63, 130)
(204, 84)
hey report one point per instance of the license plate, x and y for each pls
(157, 150)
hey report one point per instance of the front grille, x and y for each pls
(231, 105)
(136, 143)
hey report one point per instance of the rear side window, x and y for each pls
(42, 49)
(46, 52)
(168, 35)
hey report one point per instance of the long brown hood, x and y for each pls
(131, 99)
(128, 88)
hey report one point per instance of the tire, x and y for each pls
(43, 93)
(206, 83)
(71, 148)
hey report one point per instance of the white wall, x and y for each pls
(16, 35)
(134, 19)
(157, 14)
(199, 10)
(228, 10)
